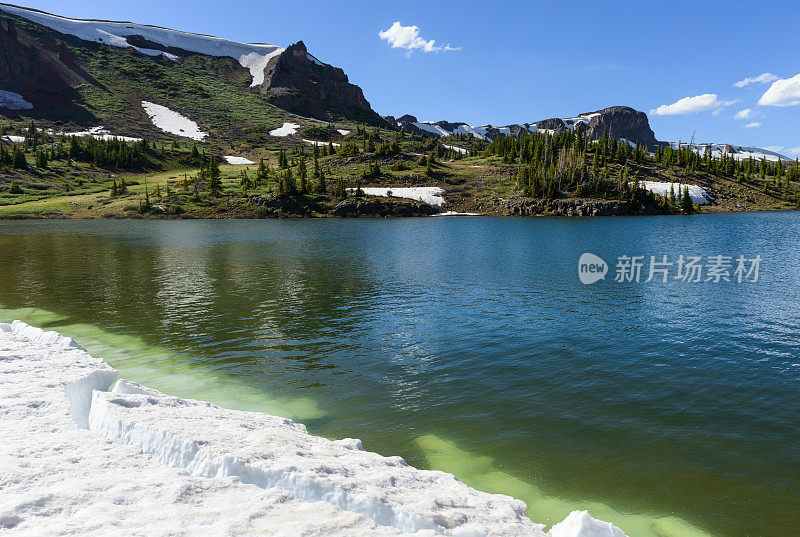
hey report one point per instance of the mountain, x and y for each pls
(90, 72)
(621, 122)
(618, 121)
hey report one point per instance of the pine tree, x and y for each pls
(214, 177)
(686, 205)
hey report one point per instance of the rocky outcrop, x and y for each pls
(359, 207)
(553, 124)
(622, 122)
(298, 82)
(566, 207)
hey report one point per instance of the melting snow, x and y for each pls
(455, 148)
(238, 160)
(454, 213)
(697, 193)
(95, 132)
(14, 139)
(432, 195)
(315, 142)
(286, 130)
(13, 101)
(343, 132)
(251, 56)
(172, 122)
(77, 456)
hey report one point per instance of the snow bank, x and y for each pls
(697, 193)
(13, 101)
(287, 129)
(95, 132)
(237, 160)
(189, 464)
(456, 148)
(172, 122)
(454, 213)
(14, 139)
(254, 57)
(343, 132)
(318, 143)
(580, 524)
(432, 195)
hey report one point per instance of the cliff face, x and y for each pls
(299, 83)
(622, 122)
(26, 70)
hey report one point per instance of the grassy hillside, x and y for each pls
(170, 183)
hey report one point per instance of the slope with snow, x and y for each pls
(432, 195)
(77, 459)
(287, 129)
(738, 152)
(251, 56)
(238, 161)
(13, 101)
(698, 194)
(172, 122)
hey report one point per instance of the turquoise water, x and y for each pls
(467, 345)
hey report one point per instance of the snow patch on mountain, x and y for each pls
(698, 194)
(432, 195)
(99, 133)
(320, 144)
(287, 129)
(13, 101)
(239, 161)
(251, 56)
(172, 122)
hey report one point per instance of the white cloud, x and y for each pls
(775, 148)
(691, 105)
(753, 125)
(794, 151)
(744, 114)
(407, 37)
(784, 92)
(765, 78)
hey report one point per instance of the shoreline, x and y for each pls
(233, 452)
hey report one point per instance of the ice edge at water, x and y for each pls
(228, 451)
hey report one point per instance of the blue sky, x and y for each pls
(528, 60)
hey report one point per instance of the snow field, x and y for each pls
(432, 195)
(697, 193)
(172, 122)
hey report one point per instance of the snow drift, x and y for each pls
(13, 101)
(432, 195)
(172, 122)
(77, 456)
(697, 193)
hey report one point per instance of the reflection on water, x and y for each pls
(462, 345)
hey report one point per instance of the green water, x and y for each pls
(463, 345)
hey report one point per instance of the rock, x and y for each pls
(623, 122)
(356, 207)
(567, 207)
(296, 82)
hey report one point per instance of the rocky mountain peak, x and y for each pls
(296, 81)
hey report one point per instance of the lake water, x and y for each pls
(466, 345)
